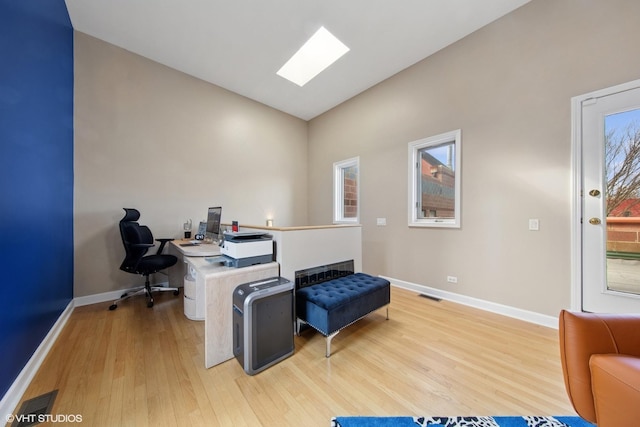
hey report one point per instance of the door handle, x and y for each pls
(595, 221)
(594, 193)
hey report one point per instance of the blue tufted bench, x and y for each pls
(333, 305)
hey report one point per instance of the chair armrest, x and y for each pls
(163, 242)
(585, 334)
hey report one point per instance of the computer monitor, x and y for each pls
(213, 223)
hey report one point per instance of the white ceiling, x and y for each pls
(240, 44)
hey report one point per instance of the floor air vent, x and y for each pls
(431, 297)
(30, 411)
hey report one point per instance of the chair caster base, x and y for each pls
(147, 291)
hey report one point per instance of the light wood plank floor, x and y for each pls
(145, 367)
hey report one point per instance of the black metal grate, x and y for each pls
(323, 273)
(32, 408)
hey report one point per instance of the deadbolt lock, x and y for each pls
(594, 193)
(595, 221)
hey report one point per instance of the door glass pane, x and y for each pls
(622, 166)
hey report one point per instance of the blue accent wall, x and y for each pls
(36, 176)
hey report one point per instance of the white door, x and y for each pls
(610, 200)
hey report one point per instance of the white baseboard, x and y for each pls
(505, 310)
(12, 397)
(107, 296)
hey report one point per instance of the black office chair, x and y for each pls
(137, 240)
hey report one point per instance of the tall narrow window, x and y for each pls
(434, 181)
(346, 191)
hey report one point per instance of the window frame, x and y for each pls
(338, 191)
(415, 180)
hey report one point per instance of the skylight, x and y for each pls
(320, 51)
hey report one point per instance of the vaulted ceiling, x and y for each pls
(241, 44)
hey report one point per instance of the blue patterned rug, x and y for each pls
(529, 421)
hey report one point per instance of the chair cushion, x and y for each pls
(154, 263)
(343, 290)
(616, 389)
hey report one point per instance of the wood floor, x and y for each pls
(145, 367)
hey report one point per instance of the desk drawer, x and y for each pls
(189, 288)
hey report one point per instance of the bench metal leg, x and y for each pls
(329, 338)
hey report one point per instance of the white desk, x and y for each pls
(179, 275)
(177, 272)
(198, 249)
(219, 282)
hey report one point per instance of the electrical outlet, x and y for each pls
(452, 279)
(381, 221)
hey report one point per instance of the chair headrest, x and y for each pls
(130, 215)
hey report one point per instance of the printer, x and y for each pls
(241, 249)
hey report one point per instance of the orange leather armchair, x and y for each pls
(600, 356)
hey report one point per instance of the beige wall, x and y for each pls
(508, 87)
(150, 137)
